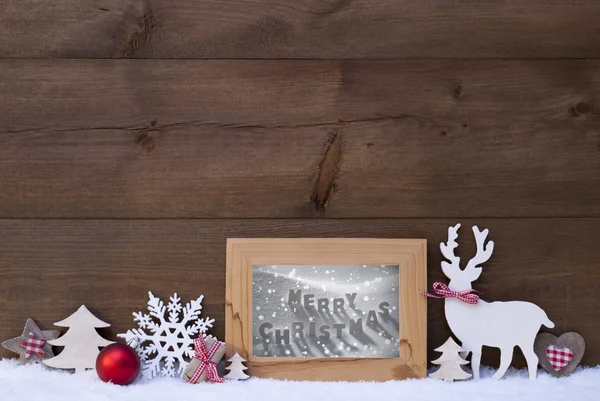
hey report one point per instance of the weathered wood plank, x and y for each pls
(50, 267)
(299, 29)
(37, 95)
(169, 139)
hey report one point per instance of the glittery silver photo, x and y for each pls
(321, 311)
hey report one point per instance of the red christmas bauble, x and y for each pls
(118, 363)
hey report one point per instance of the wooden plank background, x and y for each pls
(173, 138)
(299, 28)
(137, 135)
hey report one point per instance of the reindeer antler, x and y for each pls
(448, 251)
(484, 251)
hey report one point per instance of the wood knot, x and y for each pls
(146, 140)
(139, 35)
(329, 168)
(457, 93)
(410, 349)
(580, 109)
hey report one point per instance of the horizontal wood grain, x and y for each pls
(288, 139)
(299, 29)
(48, 268)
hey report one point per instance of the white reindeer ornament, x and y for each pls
(477, 323)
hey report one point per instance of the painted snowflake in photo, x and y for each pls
(326, 311)
(166, 334)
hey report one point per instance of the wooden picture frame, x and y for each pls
(407, 256)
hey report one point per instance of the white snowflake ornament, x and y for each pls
(170, 337)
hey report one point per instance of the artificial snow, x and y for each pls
(36, 382)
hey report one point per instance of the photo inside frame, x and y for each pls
(321, 311)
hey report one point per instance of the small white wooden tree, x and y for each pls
(450, 362)
(81, 342)
(236, 369)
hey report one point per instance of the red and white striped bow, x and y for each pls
(205, 355)
(442, 291)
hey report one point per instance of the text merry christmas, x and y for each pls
(321, 307)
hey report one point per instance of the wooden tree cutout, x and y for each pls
(504, 325)
(450, 362)
(81, 342)
(236, 369)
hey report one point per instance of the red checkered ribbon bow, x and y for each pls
(33, 346)
(442, 291)
(204, 355)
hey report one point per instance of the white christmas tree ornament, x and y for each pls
(171, 338)
(81, 342)
(475, 322)
(236, 369)
(450, 362)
